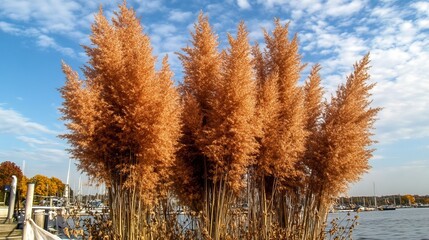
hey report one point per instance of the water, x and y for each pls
(405, 223)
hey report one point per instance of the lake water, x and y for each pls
(403, 223)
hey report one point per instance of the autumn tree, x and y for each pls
(408, 199)
(23, 187)
(7, 169)
(123, 120)
(42, 184)
(57, 187)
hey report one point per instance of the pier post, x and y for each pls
(28, 205)
(12, 197)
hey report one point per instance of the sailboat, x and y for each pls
(387, 206)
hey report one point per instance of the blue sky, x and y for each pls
(35, 35)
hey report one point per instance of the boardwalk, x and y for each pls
(8, 230)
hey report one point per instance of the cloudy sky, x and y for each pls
(35, 35)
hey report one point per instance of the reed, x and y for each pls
(239, 149)
(124, 121)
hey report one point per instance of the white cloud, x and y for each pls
(45, 41)
(173, 43)
(164, 38)
(35, 156)
(397, 41)
(32, 141)
(272, 3)
(214, 9)
(48, 42)
(321, 9)
(9, 28)
(41, 19)
(243, 4)
(423, 24)
(51, 15)
(16, 30)
(17, 10)
(149, 6)
(255, 27)
(42, 150)
(163, 29)
(422, 7)
(399, 56)
(14, 123)
(342, 8)
(179, 16)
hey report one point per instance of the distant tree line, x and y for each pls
(248, 152)
(404, 200)
(44, 186)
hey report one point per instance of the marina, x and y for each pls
(408, 222)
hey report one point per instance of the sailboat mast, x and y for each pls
(375, 198)
(68, 172)
(67, 190)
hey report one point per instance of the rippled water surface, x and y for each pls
(405, 223)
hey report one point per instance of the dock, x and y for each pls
(8, 230)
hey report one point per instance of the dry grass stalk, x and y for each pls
(260, 157)
(123, 120)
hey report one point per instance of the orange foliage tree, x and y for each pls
(410, 199)
(57, 187)
(123, 120)
(7, 169)
(42, 185)
(23, 187)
